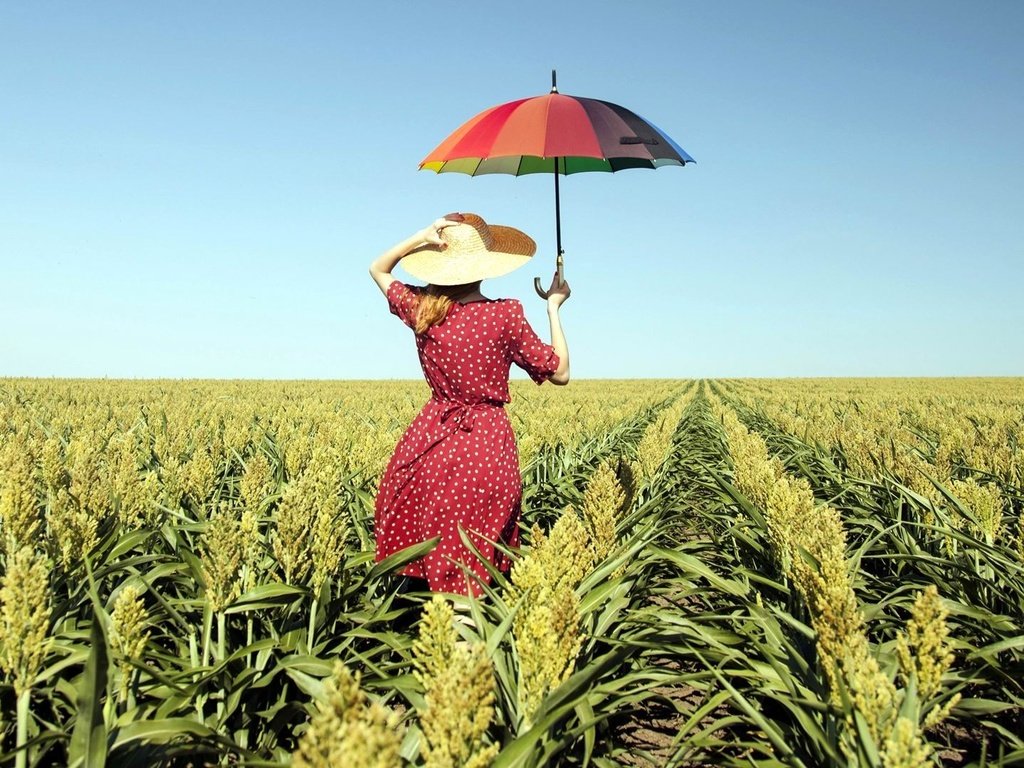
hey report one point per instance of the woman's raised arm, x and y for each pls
(380, 269)
(557, 295)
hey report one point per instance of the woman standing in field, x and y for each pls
(457, 467)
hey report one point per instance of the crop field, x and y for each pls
(819, 572)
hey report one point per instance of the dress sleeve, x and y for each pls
(528, 351)
(402, 301)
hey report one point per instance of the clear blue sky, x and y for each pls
(196, 189)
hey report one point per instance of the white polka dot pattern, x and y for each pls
(457, 465)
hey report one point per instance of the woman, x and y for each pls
(456, 467)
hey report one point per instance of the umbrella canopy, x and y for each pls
(556, 134)
(529, 135)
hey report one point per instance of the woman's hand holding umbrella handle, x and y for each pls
(559, 291)
(559, 280)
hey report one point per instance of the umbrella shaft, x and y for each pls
(558, 214)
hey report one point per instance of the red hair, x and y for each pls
(435, 301)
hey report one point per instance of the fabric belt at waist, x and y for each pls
(460, 415)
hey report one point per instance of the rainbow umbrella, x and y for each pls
(556, 134)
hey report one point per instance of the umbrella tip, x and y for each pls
(554, 84)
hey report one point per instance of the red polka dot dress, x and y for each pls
(457, 466)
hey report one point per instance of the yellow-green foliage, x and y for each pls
(72, 529)
(547, 640)
(458, 686)
(564, 556)
(85, 466)
(290, 538)
(905, 747)
(602, 505)
(132, 492)
(82, 463)
(924, 651)
(311, 524)
(19, 503)
(874, 697)
(222, 551)
(129, 637)
(25, 606)
(257, 482)
(557, 416)
(985, 503)
(348, 729)
(656, 444)
(252, 547)
(912, 430)
(329, 524)
(797, 527)
(1018, 542)
(546, 629)
(796, 524)
(52, 464)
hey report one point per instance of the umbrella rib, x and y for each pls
(547, 112)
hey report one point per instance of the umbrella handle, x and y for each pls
(561, 279)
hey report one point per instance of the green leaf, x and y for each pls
(399, 559)
(88, 745)
(160, 731)
(267, 596)
(585, 713)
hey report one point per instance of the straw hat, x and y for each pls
(475, 250)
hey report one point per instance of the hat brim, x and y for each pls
(510, 249)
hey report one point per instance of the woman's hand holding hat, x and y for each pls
(432, 234)
(471, 251)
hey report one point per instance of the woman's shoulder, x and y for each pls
(402, 287)
(505, 306)
(514, 304)
(499, 302)
(512, 313)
